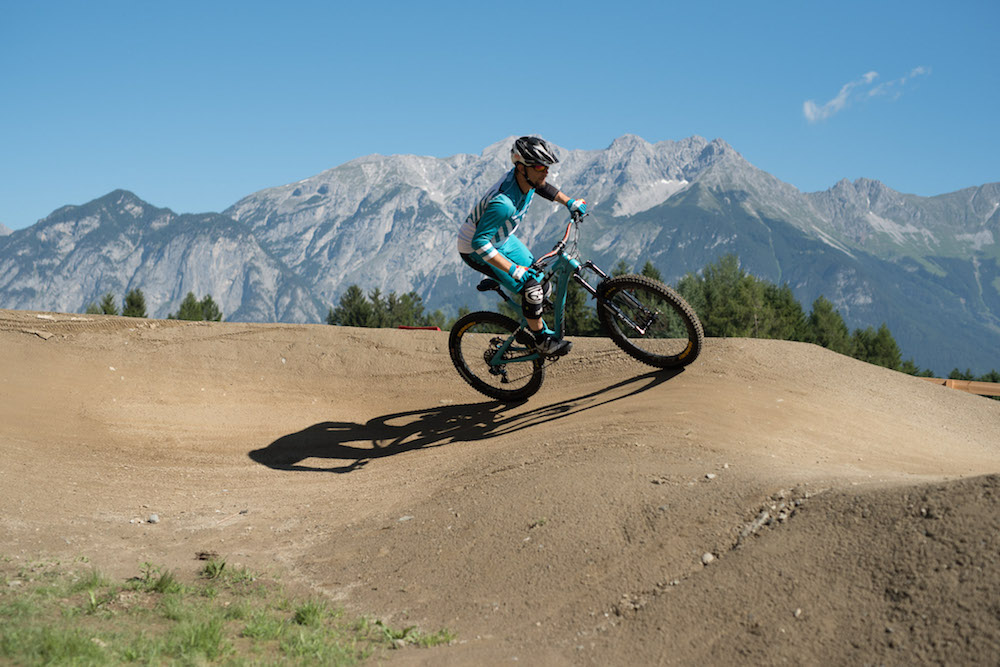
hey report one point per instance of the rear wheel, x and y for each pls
(474, 343)
(649, 321)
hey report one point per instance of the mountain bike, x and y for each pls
(651, 322)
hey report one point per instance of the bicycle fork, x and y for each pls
(611, 306)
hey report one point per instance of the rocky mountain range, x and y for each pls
(927, 266)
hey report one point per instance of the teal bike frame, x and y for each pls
(559, 266)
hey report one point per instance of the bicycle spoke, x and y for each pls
(484, 353)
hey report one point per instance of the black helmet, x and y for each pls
(531, 151)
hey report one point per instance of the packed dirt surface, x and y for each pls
(772, 502)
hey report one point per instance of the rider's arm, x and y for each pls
(552, 193)
(501, 262)
(497, 213)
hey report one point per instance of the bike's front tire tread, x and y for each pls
(696, 334)
(455, 351)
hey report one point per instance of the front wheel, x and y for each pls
(649, 321)
(488, 354)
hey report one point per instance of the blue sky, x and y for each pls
(192, 105)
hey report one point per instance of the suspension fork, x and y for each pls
(582, 282)
(641, 329)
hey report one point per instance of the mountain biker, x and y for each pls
(487, 243)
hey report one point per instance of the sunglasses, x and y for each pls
(538, 167)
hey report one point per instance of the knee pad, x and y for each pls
(532, 299)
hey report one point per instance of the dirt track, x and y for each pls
(853, 513)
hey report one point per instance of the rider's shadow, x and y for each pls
(400, 432)
(378, 437)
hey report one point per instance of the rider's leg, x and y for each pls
(534, 323)
(531, 292)
(514, 250)
(532, 300)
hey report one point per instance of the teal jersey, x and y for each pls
(494, 219)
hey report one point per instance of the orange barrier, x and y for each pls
(970, 386)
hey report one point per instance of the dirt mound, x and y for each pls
(906, 575)
(773, 501)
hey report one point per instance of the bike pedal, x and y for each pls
(525, 338)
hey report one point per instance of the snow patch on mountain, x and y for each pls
(899, 232)
(636, 200)
(979, 240)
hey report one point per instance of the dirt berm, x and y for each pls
(772, 502)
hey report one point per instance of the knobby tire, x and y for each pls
(474, 338)
(673, 334)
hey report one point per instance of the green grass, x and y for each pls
(55, 614)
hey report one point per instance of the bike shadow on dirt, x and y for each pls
(359, 444)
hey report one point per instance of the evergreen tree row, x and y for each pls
(134, 305)
(734, 303)
(192, 309)
(377, 310)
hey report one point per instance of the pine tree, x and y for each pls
(210, 311)
(877, 347)
(379, 310)
(827, 328)
(353, 310)
(404, 310)
(108, 305)
(787, 320)
(135, 304)
(733, 300)
(692, 288)
(190, 309)
(992, 376)
(651, 271)
(910, 368)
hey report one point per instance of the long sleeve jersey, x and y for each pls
(494, 219)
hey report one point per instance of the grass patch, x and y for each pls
(55, 614)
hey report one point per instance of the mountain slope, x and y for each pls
(118, 242)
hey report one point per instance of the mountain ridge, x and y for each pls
(287, 252)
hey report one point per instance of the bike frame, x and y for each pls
(559, 266)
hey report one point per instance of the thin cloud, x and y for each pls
(894, 89)
(865, 87)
